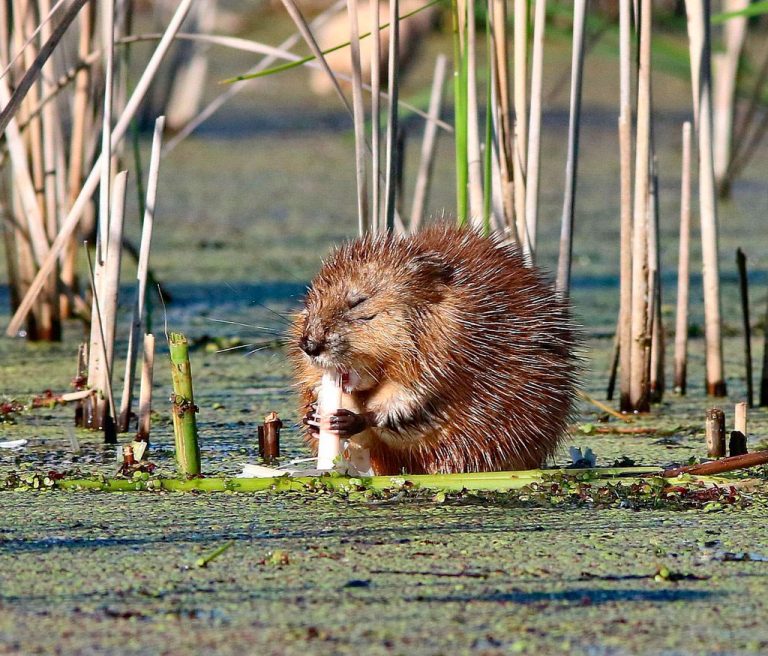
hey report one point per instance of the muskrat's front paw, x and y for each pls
(312, 420)
(346, 423)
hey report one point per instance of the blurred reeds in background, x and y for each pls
(69, 103)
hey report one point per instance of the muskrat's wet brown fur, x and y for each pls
(464, 355)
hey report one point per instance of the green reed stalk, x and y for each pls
(460, 118)
(184, 409)
(488, 155)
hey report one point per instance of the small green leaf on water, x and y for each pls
(440, 497)
(587, 429)
(277, 557)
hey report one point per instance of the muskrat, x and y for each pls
(456, 355)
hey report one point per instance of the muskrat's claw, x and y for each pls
(346, 423)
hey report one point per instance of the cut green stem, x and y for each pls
(184, 408)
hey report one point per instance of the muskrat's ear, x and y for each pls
(433, 267)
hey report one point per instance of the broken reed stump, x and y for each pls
(741, 264)
(615, 359)
(145, 392)
(80, 381)
(737, 446)
(184, 408)
(128, 459)
(715, 431)
(269, 437)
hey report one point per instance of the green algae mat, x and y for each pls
(118, 573)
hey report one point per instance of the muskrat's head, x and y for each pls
(367, 307)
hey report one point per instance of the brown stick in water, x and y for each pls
(721, 466)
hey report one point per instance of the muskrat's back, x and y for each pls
(460, 356)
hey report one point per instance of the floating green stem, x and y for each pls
(204, 560)
(184, 408)
(490, 481)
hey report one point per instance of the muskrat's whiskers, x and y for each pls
(234, 348)
(256, 350)
(285, 318)
(272, 331)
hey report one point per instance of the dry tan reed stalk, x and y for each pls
(563, 282)
(80, 126)
(402, 140)
(699, 37)
(393, 78)
(107, 11)
(375, 114)
(683, 266)
(502, 194)
(25, 26)
(533, 167)
(4, 38)
(108, 297)
(474, 156)
(137, 322)
(53, 173)
(5, 33)
(94, 404)
(113, 260)
(656, 383)
(726, 66)
(145, 392)
(625, 164)
(361, 172)
(23, 184)
(519, 149)
(639, 398)
(740, 417)
(501, 115)
(89, 186)
(96, 346)
(424, 175)
(34, 61)
(31, 235)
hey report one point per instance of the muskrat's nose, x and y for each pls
(310, 346)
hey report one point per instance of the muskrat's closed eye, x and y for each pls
(354, 301)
